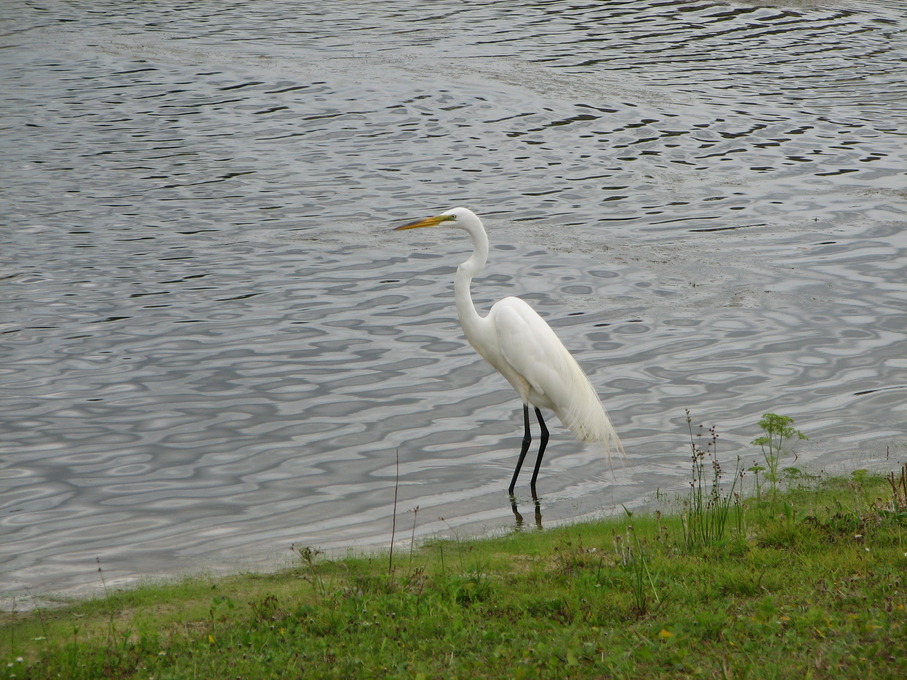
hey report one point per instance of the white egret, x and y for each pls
(514, 339)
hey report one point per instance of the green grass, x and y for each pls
(811, 585)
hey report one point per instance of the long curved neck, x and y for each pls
(466, 310)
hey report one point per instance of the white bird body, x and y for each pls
(523, 348)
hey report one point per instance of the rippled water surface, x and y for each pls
(213, 346)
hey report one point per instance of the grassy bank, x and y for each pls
(810, 581)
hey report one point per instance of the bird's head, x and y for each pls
(461, 218)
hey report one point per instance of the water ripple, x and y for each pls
(213, 346)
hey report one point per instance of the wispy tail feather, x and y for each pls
(587, 419)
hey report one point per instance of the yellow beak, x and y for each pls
(426, 222)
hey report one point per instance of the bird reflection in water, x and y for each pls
(520, 522)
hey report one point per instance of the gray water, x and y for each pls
(213, 347)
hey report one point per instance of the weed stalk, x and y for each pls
(707, 511)
(898, 490)
(390, 554)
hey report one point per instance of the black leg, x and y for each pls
(527, 439)
(542, 445)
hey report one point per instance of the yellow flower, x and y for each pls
(665, 634)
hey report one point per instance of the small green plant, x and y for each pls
(633, 559)
(775, 443)
(308, 555)
(707, 510)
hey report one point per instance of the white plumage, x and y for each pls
(525, 350)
